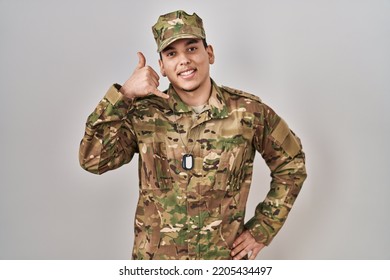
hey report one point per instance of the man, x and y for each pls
(196, 144)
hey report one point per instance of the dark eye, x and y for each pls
(170, 54)
(192, 49)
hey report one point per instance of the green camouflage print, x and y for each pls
(177, 25)
(198, 213)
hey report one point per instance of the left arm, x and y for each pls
(282, 152)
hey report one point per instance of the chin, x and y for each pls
(190, 89)
(187, 87)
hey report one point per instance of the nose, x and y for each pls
(184, 59)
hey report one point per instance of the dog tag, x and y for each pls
(187, 162)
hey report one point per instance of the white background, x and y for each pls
(324, 66)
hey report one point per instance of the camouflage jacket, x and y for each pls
(196, 214)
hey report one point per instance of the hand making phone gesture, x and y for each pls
(143, 81)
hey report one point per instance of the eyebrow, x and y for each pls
(189, 42)
(192, 41)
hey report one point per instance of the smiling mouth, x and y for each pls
(187, 73)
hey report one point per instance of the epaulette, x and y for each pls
(242, 93)
(149, 100)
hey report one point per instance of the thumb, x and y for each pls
(141, 60)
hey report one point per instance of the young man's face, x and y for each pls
(186, 63)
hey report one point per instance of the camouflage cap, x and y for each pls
(177, 25)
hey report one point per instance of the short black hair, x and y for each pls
(204, 44)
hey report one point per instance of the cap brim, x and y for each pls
(175, 38)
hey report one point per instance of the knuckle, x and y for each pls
(146, 74)
(148, 89)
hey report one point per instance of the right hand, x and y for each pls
(143, 81)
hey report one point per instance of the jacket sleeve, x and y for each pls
(282, 152)
(109, 140)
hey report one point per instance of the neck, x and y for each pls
(197, 97)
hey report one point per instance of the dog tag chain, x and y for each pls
(188, 161)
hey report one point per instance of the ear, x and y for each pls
(210, 52)
(162, 69)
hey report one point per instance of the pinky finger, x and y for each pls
(254, 253)
(160, 94)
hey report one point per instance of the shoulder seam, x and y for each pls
(242, 93)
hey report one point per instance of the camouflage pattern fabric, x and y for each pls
(198, 213)
(177, 25)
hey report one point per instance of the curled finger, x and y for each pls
(155, 91)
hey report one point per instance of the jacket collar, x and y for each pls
(216, 105)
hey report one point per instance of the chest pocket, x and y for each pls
(155, 172)
(237, 166)
(163, 172)
(231, 168)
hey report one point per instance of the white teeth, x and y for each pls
(186, 73)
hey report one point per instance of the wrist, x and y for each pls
(125, 93)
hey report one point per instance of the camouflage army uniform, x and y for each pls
(198, 213)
